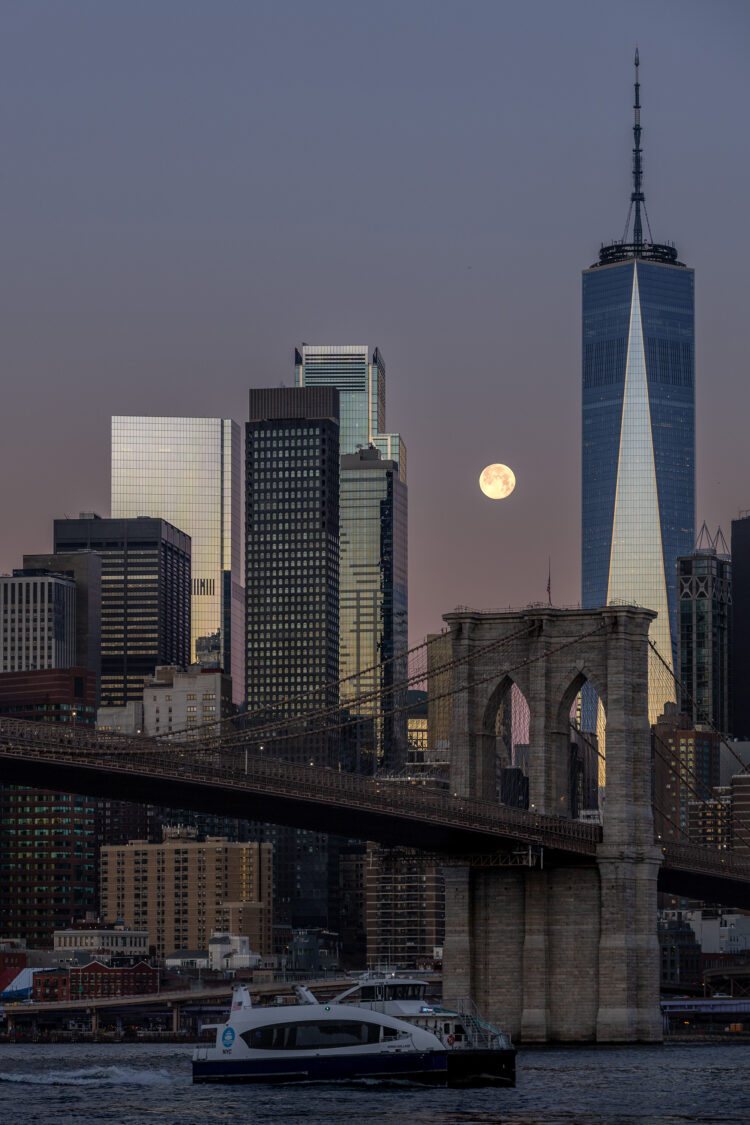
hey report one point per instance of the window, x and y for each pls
(308, 1035)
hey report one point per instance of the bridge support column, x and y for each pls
(535, 965)
(176, 1019)
(628, 948)
(457, 959)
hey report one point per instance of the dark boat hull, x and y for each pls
(435, 1068)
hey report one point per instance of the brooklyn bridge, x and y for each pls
(541, 906)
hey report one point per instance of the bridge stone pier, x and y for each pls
(567, 951)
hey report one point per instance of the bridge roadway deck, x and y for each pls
(249, 785)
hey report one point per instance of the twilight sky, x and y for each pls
(191, 188)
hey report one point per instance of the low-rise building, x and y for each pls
(230, 952)
(178, 700)
(95, 981)
(102, 941)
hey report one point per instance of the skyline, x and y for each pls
(142, 279)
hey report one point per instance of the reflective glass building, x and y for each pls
(374, 609)
(374, 605)
(638, 455)
(360, 380)
(189, 471)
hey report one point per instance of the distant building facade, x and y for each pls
(101, 942)
(85, 568)
(37, 621)
(686, 768)
(145, 597)
(704, 635)
(374, 638)
(177, 890)
(189, 471)
(95, 981)
(740, 547)
(48, 840)
(405, 908)
(179, 700)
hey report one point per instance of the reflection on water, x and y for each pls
(128, 1083)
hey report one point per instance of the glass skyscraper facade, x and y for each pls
(189, 471)
(374, 606)
(638, 435)
(360, 379)
(373, 525)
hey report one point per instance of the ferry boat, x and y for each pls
(380, 1028)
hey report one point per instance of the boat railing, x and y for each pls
(480, 1034)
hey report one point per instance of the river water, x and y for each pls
(132, 1083)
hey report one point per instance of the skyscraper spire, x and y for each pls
(635, 245)
(637, 194)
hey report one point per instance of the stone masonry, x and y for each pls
(567, 953)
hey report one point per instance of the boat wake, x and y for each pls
(91, 1076)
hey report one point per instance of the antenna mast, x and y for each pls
(637, 194)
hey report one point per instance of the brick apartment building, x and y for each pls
(183, 890)
(95, 981)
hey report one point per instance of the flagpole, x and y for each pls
(549, 579)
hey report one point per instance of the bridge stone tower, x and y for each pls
(568, 951)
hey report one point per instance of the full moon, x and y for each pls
(497, 481)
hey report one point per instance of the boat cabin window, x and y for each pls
(371, 992)
(404, 991)
(309, 1035)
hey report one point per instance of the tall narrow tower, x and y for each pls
(638, 456)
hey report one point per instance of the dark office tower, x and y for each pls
(740, 719)
(703, 630)
(373, 605)
(292, 574)
(85, 568)
(145, 597)
(638, 463)
(292, 584)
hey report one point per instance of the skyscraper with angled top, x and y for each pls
(638, 457)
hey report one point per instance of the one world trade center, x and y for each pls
(638, 456)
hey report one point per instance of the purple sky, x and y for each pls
(191, 189)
